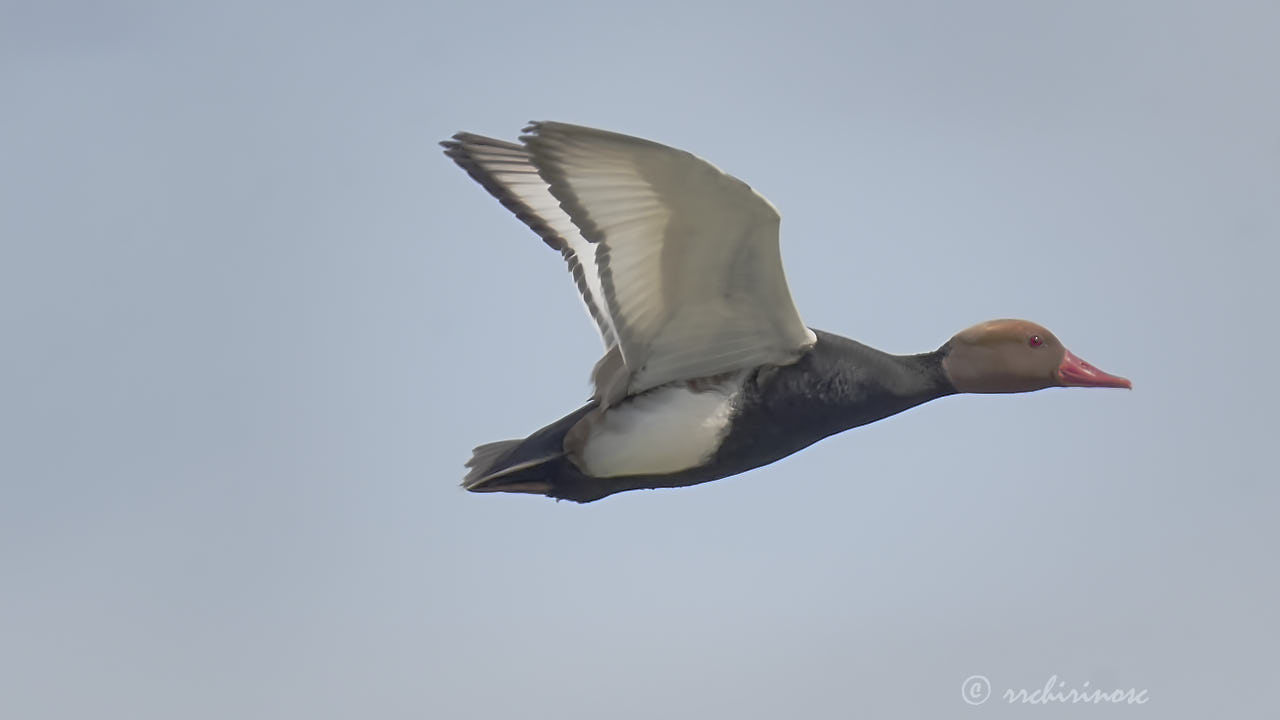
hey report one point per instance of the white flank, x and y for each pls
(663, 431)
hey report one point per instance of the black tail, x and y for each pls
(535, 464)
(493, 469)
(484, 458)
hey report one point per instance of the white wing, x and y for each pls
(677, 261)
(505, 170)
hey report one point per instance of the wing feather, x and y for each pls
(689, 263)
(505, 170)
(677, 262)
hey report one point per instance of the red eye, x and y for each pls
(1035, 341)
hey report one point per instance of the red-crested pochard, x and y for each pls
(708, 370)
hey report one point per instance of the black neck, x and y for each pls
(847, 384)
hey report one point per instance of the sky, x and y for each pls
(255, 321)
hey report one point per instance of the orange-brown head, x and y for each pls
(1010, 356)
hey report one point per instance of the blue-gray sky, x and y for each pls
(255, 321)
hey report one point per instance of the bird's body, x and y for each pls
(708, 370)
(753, 417)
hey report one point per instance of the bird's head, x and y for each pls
(1011, 356)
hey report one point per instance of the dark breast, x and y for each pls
(837, 385)
(840, 384)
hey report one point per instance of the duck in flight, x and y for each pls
(708, 370)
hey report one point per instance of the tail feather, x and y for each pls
(493, 469)
(535, 464)
(486, 456)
